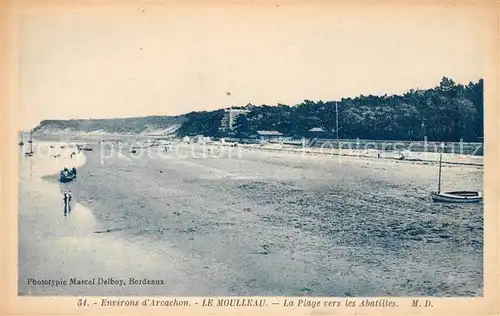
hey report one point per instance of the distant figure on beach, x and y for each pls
(67, 201)
(73, 170)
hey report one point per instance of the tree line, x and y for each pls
(448, 112)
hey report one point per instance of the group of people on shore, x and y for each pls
(66, 170)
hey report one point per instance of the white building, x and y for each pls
(266, 136)
(229, 119)
(200, 139)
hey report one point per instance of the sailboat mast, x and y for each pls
(31, 141)
(439, 178)
(337, 121)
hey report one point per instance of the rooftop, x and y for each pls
(237, 110)
(316, 129)
(269, 133)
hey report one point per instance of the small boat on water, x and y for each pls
(455, 196)
(67, 175)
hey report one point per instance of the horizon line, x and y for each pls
(416, 89)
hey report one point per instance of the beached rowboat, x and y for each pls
(458, 197)
(455, 196)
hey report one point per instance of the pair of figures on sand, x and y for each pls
(67, 202)
(67, 198)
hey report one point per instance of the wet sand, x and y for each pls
(274, 224)
(60, 244)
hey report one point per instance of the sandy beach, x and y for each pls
(258, 223)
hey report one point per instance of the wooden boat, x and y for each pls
(455, 196)
(66, 176)
(458, 197)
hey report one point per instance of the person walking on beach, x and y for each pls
(67, 202)
(65, 199)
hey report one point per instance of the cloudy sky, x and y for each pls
(115, 61)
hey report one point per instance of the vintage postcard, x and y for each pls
(225, 157)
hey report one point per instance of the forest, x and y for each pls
(447, 112)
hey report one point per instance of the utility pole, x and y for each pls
(337, 122)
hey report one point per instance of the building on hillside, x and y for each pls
(316, 132)
(200, 139)
(266, 136)
(229, 119)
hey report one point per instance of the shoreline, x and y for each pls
(65, 243)
(361, 154)
(50, 161)
(412, 157)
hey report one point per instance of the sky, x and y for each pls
(101, 61)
